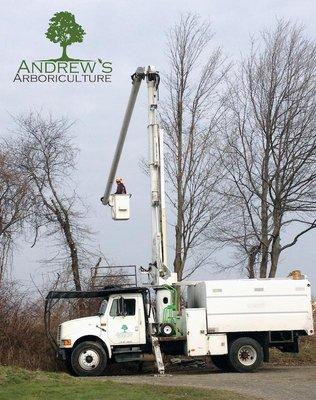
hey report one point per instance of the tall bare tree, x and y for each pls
(48, 161)
(233, 229)
(271, 145)
(15, 203)
(190, 117)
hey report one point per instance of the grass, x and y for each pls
(16, 383)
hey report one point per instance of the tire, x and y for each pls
(88, 359)
(222, 362)
(166, 329)
(245, 355)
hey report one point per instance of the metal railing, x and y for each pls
(113, 275)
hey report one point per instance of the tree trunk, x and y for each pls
(63, 220)
(178, 262)
(275, 255)
(178, 256)
(64, 54)
(81, 306)
(276, 247)
(264, 214)
(74, 256)
(1, 267)
(252, 261)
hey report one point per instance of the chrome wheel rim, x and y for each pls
(247, 355)
(89, 359)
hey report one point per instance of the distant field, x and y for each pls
(28, 385)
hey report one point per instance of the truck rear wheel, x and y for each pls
(221, 362)
(88, 359)
(245, 355)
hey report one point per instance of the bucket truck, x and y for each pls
(234, 322)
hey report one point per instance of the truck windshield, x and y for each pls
(103, 306)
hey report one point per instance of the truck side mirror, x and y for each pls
(121, 307)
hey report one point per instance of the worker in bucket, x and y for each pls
(121, 189)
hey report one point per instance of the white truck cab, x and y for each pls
(124, 319)
(121, 321)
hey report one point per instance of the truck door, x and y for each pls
(126, 321)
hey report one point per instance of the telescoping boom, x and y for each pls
(159, 271)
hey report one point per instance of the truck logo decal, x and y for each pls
(124, 328)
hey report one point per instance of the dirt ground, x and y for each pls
(270, 383)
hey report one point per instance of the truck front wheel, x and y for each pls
(245, 355)
(88, 359)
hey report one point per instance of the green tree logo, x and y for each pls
(63, 29)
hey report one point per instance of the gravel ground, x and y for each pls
(270, 383)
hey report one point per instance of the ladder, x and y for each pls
(158, 356)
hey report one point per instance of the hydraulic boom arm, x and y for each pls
(159, 272)
(136, 80)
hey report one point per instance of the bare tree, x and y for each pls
(271, 144)
(190, 118)
(48, 161)
(15, 203)
(234, 229)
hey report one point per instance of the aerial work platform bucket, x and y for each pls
(120, 204)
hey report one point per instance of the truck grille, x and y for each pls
(58, 334)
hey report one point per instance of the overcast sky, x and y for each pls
(130, 34)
